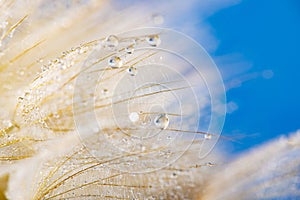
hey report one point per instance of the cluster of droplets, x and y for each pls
(66, 60)
(112, 43)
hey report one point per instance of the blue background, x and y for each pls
(266, 33)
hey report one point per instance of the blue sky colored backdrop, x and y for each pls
(266, 33)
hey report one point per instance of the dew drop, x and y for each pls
(111, 42)
(207, 136)
(132, 71)
(56, 115)
(104, 91)
(79, 50)
(153, 40)
(134, 117)
(162, 121)
(129, 49)
(209, 164)
(8, 123)
(115, 62)
(21, 72)
(174, 175)
(20, 99)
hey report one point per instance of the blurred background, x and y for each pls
(258, 55)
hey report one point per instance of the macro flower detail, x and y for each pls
(99, 101)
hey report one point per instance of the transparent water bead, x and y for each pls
(162, 121)
(132, 71)
(134, 117)
(104, 91)
(153, 40)
(129, 49)
(111, 42)
(115, 62)
(207, 136)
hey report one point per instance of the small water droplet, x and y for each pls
(56, 115)
(79, 50)
(40, 60)
(104, 91)
(129, 49)
(115, 62)
(20, 99)
(174, 175)
(162, 121)
(207, 136)
(111, 42)
(8, 123)
(209, 164)
(153, 40)
(132, 71)
(21, 72)
(134, 117)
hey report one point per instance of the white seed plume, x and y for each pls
(46, 45)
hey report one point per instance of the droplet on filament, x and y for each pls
(207, 136)
(129, 49)
(132, 71)
(162, 121)
(153, 40)
(111, 41)
(115, 62)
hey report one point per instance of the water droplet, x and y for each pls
(111, 42)
(129, 49)
(104, 91)
(209, 164)
(115, 62)
(207, 136)
(79, 50)
(132, 71)
(8, 123)
(174, 175)
(162, 121)
(134, 117)
(56, 115)
(153, 40)
(21, 72)
(20, 99)
(40, 60)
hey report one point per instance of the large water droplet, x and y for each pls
(111, 42)
(132, 71)
(162, 121)
(153, 40)
(115, 62)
